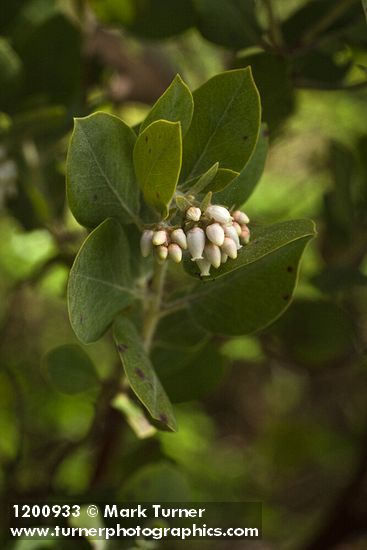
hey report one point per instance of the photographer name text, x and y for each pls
(153, 511)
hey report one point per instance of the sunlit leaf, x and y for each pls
(157, 160)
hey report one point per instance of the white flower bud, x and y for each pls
(231, 232)
(245, 234)
(240, 217)
(159, 237)
(212, 254)
(178, 236)
(193, 213)
(218, 213)
(162, 252)
(215, 233)
(196, 243)
(229, 247)
(175, 252)
(223, 257)
(146, 244)
(204, 267)
(237, 227)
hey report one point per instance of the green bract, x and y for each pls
(193, 150)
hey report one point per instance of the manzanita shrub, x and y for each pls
(172, 260)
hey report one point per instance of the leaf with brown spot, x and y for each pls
(141, 374)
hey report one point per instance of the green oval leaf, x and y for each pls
(100, 174)
(247, 294)
(175, 105)
(157, 160)
(225, 124)
(70, 369)
(140, 373)
(100, 281)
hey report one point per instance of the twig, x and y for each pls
(111, 423)
(328, 19)
(152, 313)
(275, 33)
(102, 436)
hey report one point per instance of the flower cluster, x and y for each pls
(211, 237)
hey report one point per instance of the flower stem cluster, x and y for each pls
(211, 237)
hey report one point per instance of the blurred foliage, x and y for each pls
(287, 424)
